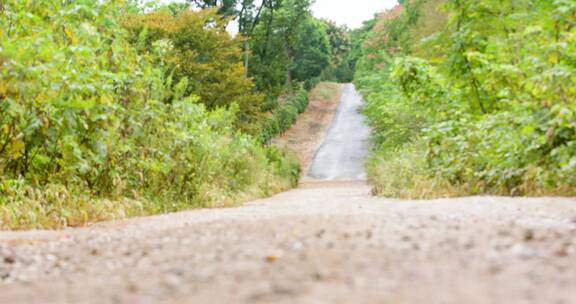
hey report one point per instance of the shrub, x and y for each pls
(92, 128)
(402, 172)
(284, 117)
(492, 99)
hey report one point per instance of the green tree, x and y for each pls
(201, 51)
(246, 12)
(311, 51)
(225, 7)
(341, 69)
(272, 41)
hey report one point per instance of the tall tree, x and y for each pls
(225, 7)
(246, 12)
(273, 40)
(341, 69)
(202, 51)
(311, 50)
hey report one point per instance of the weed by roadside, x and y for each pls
(402, 173)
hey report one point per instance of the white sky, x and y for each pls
(351, 13)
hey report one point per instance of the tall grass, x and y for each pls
(402, 173)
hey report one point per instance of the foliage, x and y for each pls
(246, 12)
(357, 48)
(404, 97)
(225, 7)
(490, 93)
(284, 43)
(311, 51)
(340, 69)
(402, 172)
(275, 60)
(288, 45)
(199, 49)
(93, 127)
(285, 115)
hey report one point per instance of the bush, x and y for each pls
(284, 117)
(492, 99)
(311, 83)
(402, 172)
(91, 128)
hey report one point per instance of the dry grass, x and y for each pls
(403, 174)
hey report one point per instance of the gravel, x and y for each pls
(321, 243)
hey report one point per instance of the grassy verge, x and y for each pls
(59, 205)
(326, 92)
(402, 173)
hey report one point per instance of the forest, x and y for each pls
(111, 109)
(472, 97)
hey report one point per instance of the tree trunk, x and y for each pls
(246, 56)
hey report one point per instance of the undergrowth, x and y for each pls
(94, 126)
(402, 173)
(483, 105)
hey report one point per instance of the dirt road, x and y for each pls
(326, 242)
(345, 148)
